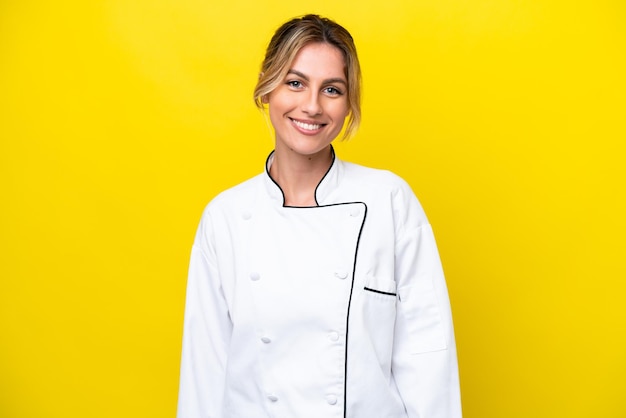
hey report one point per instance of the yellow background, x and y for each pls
(120, 120)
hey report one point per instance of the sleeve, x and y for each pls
(206, 334)
(424, 363)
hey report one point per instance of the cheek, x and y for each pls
(344, 111)
(281, 97)
(339, 110)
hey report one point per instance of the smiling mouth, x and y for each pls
(307, 126)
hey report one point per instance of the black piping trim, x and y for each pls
(379, 291)
(356, 251)
(345, 372)
(325, 206)
(267, 171)
(332, 163)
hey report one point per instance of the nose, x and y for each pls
(311, 104)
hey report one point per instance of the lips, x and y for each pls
(307, 126)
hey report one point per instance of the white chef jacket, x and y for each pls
(338, 310)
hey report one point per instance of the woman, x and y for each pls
(315, 289)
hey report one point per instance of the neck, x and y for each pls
(298, 175)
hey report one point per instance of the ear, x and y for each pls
(265, 99)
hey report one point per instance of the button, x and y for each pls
(266, 340)
(331, 399)
(246, 215)
(354, 212)
(272, 397)
(333, 336)
(341, 274)
(254, 276)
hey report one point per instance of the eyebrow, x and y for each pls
(327, 81)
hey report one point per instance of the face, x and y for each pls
(309, 108)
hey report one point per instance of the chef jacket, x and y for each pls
(337, 310)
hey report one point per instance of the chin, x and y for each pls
(307, 146)
(309, 150)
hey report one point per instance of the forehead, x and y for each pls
(319, 59)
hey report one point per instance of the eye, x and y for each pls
(294, 84)
(332, 91)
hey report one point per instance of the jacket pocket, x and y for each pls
(379, 302)
(380, 286)
(420, 309)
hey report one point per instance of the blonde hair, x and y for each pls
(290, 38)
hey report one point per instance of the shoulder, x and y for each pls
(377, 180)
(387, 188)
(235, 197)
(223, 209)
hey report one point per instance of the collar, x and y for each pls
(325, 187)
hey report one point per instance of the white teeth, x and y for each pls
(306, 126)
